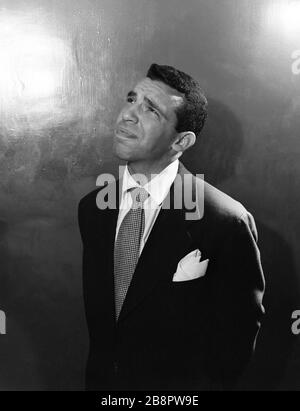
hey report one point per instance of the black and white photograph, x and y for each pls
(149, 198)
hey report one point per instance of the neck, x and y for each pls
(148, 169)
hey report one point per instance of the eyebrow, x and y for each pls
(149, 101)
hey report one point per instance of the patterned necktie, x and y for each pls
(126, 251)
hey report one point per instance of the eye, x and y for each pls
(153, 110)
(130, 99)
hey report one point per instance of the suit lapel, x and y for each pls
(111, 217)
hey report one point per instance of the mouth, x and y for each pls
(124, 133)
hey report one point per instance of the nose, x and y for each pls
(129, 113)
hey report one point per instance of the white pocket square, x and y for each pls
(190, 267)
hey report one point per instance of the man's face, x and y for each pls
(145, 128)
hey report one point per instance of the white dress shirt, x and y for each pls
(158, 188)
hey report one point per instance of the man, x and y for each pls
(173, 301)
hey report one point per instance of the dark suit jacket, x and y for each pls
(196, 334)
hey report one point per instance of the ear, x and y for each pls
(183, 141)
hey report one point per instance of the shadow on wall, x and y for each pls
(215, 155)
(216, 152)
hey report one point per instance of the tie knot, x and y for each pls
(139, 195)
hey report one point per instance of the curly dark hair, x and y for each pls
(191, 115)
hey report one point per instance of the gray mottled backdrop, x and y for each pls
(65, 67)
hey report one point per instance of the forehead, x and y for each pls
(160, 92)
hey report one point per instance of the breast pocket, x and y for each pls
(189, 283)
(187, 297)
(187, 306)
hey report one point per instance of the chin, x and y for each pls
(122, 153)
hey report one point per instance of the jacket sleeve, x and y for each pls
(238, 293)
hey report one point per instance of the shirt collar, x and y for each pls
(159, 185)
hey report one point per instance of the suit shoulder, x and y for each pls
(226, 214)
(89, 200)
(221, 205)
(218, 206)
(89, 197)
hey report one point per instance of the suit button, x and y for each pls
(116, 367)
